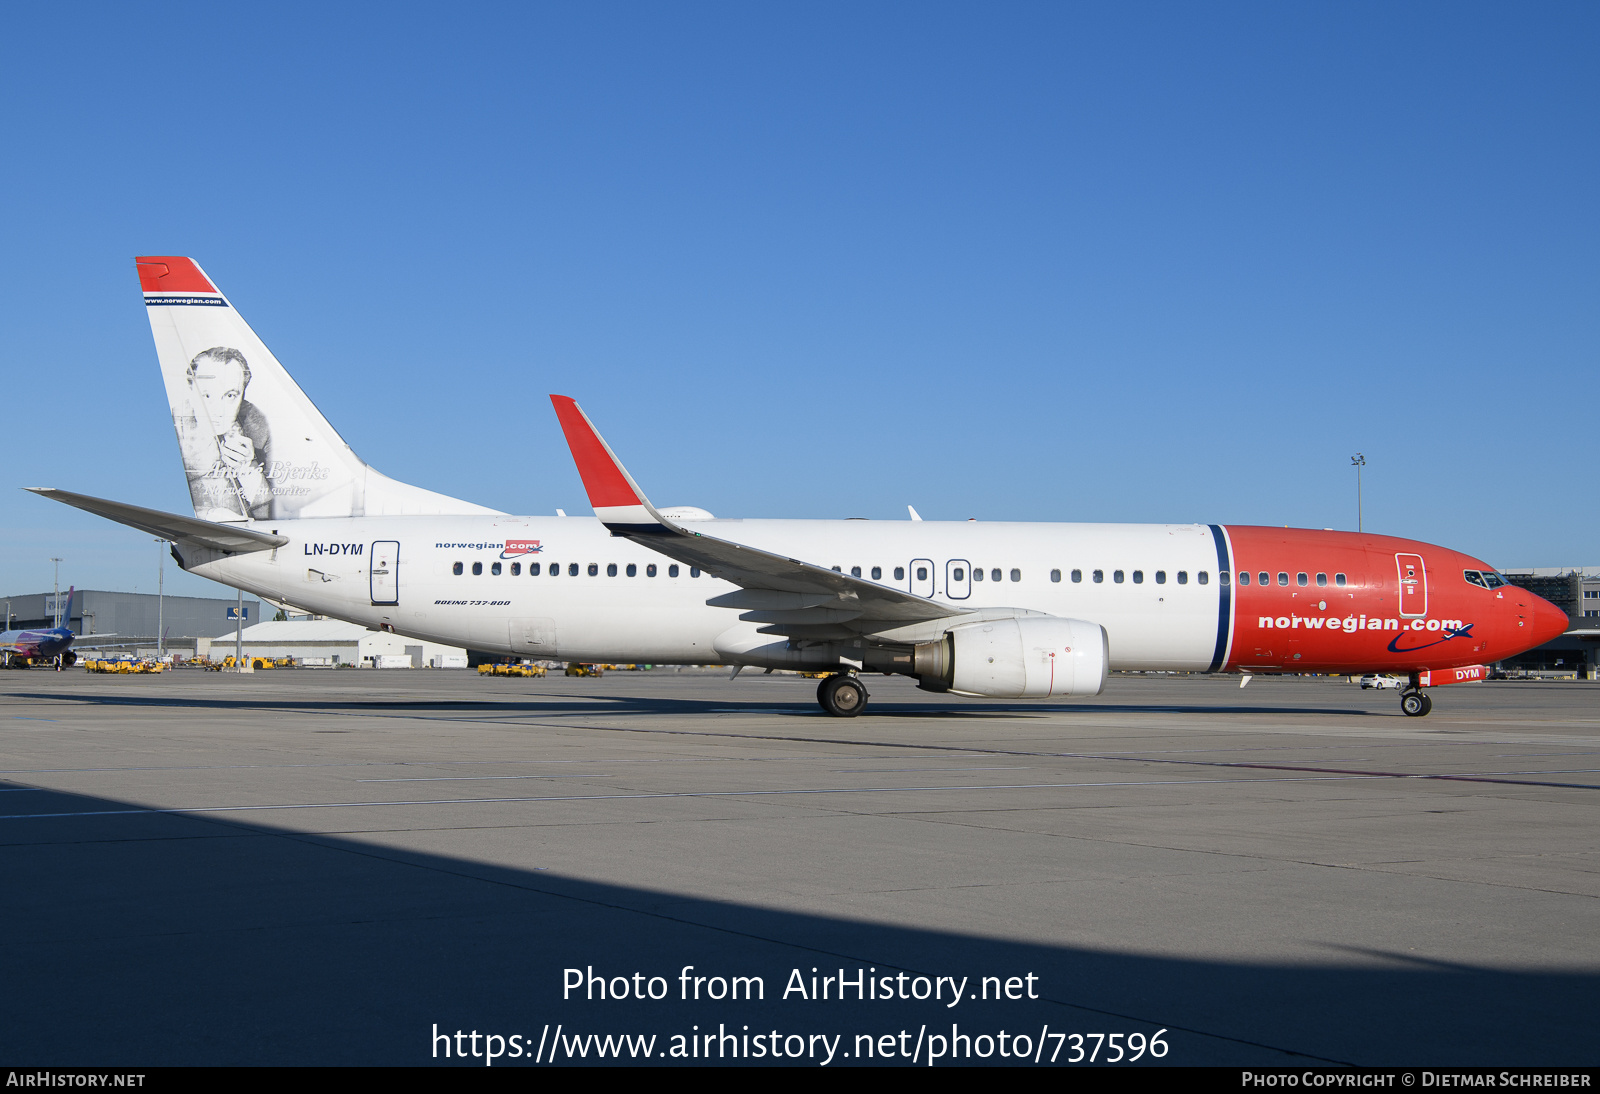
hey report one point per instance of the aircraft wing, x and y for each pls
(791, 596)
(233, 538)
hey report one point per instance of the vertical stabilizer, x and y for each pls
(254, 447)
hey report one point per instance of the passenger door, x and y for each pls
(1413, 586)
(384, 570)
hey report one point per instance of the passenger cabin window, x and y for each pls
(650, 570)
(495, 569)
(1161, 577)
(1203, 577)
(1077, 576)
(922, 573)
(977, 573)
(533, 569)
(456, 569)
(1016, 575)
(877, 573)
(477, 569)
(1244, 577)
(1338, 579)
(958, 574)
(1300, 579)
(693, 572)
(855, 571)
(611, 569)
(1322, 579)
(994, 575)
(899, 573)
(1138, 577)
(1099, 576)
(1116, 575)
(1183, 577)
(672, 571)
(1283, 579)
(633, 570)
(1055, 575)
(594, 569)
(572, 569)
(516, 569)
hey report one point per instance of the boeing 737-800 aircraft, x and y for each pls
(284, 509)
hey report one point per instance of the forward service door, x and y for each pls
(1413, 586)
(384, 569)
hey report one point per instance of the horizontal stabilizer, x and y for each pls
(233, 538)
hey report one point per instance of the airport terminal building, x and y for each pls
(1576, 591)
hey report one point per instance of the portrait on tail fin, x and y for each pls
(225, 439)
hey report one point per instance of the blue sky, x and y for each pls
(1143, 262)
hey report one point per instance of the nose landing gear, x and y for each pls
(1415, 702)
(842, 695)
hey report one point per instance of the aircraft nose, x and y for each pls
(1549, 621)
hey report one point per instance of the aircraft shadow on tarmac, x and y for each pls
(138, 937)
(633, 704)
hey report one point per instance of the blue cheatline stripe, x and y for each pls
(1224, 598)
(173, 301)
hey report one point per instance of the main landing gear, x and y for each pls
(842, 695)
(1415, 702)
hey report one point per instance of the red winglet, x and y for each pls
(171, 274)
(602, 478)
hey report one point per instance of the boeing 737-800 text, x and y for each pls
(284, 509)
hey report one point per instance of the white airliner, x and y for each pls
(285, 510)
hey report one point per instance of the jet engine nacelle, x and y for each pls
(1034, 657)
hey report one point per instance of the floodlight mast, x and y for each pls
(161, 601)
(1358, 461)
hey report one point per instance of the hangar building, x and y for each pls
(131, 615)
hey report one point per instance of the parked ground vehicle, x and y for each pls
(523, 668)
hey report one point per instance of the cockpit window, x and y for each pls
(1494, 580)
(1474, 578)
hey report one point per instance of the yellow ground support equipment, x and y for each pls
(524, 669)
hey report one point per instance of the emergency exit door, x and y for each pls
(384, 568)
(1413, 586)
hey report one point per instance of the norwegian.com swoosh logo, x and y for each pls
(1460, 632)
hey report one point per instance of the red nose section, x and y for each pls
(1549, 621)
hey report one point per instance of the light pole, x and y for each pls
(1358, 461)
(56, 614)
(161, 603)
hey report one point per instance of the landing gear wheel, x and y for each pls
(842, 696)
(1416, 704)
